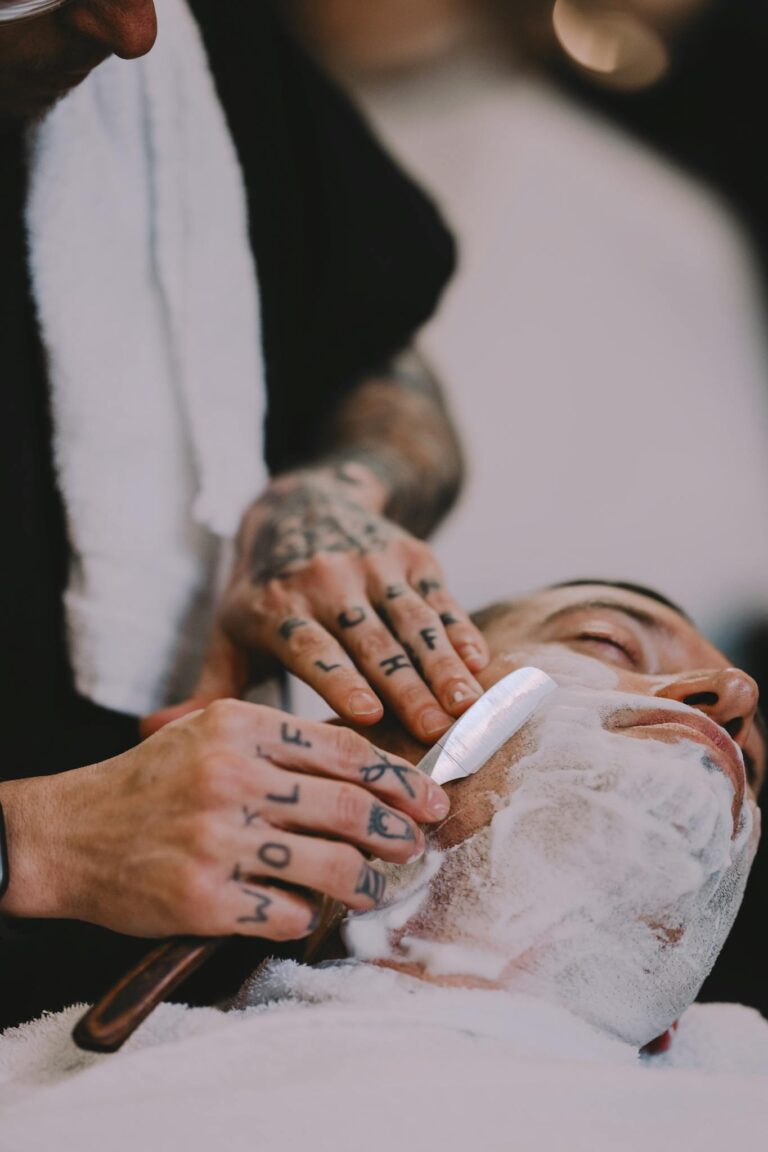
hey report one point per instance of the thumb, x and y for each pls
(224, 673)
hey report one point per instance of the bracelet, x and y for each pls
(4, 869)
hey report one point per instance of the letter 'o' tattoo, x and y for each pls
(275, 855)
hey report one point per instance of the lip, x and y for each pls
(699, 728)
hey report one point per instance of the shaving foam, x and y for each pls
(606, 882)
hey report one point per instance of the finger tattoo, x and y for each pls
(351, 619)
(447, 620)
(427, 586)
(288, 627)
(394, 664)
(262, 903)
(395, 590)
(294, 737)
(371, 883)
(291, 798)
(326, 667)
(429, 636)
(250, 816)
(388, 824)
(372, 773)
(275, 855)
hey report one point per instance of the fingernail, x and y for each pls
(417, 853)
(438, 804)
(363, 704)
(434, 721)
(464, 692)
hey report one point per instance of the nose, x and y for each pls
(728, 695)
(125, 28)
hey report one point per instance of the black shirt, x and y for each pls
(351, 259)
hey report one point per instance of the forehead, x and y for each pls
(686, 647)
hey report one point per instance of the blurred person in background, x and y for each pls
(686, 79)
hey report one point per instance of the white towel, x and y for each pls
(148, 306)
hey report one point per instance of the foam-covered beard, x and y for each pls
(607, 880)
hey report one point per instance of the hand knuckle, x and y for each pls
(375, 643)
(206, 785)
(349, 749)
(222, 718)
(343, 868)
(352, 806)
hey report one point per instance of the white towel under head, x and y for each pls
(148, 306)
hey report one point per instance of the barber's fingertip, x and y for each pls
(474, 658)
(438, 802)
(433, 722)
(364, 706)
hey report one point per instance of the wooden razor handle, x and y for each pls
(107, 1025)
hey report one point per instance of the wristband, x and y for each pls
(4, 871)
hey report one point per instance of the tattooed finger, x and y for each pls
(464, 637)
(324, 866)
(252, 908)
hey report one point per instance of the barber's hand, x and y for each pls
(225, 822)
(352, 605)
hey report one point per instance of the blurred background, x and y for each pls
(604, 343)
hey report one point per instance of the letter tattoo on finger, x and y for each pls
(352, 618)
(288, 627)
(326, 667)
(373, 773)
(293, 737)
(429, 585)
(275, 855)
(394, 664)
(291, 798)
(429, 636)
(262, 903)
(447, 620)
(371, 883)
(388, 824)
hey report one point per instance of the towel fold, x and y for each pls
(148, 306)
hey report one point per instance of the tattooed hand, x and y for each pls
(352, 604)
(228, 821)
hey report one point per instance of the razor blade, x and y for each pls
(487, 725)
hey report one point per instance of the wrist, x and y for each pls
(37, 877)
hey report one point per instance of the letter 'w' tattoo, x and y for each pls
(371, 883)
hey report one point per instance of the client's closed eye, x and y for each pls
(616, 649)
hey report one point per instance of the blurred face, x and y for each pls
(43, 57)
(599, 858)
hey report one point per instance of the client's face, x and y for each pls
(600, 857)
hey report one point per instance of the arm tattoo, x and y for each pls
(291, 798)
(306, 521)
(388, 824)
(394, 664)
(294, 737)
(274, 855)
(351, 619)
(371, 883)
(372, 773)
(397, 425)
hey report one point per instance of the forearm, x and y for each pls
(396, 426)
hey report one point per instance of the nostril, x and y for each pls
(733, 727)
(701, 699)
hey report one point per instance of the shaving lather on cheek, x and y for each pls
(606, 879)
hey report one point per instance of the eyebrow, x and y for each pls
(647, 619)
